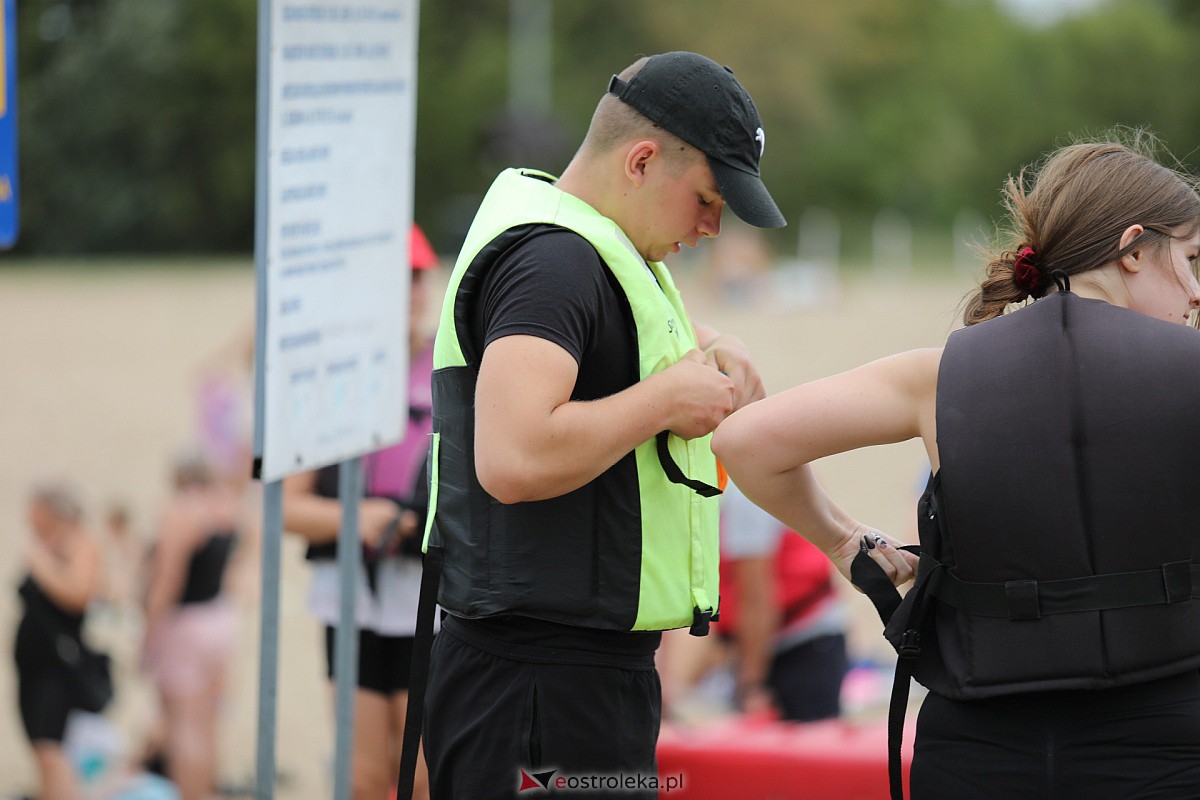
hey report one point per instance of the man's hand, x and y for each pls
(730, 355)
(701, 394)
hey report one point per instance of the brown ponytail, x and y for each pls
(997, 291)
(1071, 211)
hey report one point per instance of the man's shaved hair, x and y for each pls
(614, 123)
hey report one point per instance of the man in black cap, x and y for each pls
(573, 497)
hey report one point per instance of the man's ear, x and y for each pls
(638, 157)
(1131, 261)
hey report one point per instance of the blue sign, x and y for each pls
(8, 124)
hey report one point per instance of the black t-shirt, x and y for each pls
(553, 285)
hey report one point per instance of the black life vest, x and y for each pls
(1059, 535)
(1058, 548)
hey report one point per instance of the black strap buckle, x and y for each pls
(1022, 598)
(910, 644)
(700, 621)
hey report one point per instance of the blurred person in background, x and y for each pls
(780, 648)
(123, 554)
(738, 264)
(1055, 618)
(116, 614)
(391, 521)
(781, 613)
(191, 626)
(62, 561)
(223, 397)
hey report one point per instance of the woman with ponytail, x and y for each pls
(1054, 615)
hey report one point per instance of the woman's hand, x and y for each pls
(899, 565)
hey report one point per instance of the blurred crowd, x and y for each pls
(100, 586)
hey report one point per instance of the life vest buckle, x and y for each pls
(700, 621)
(910, 644)
(1023, 600)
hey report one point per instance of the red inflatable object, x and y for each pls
(755, 759)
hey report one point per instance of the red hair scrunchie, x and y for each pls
(1025, 272)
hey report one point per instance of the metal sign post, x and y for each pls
(336, 140)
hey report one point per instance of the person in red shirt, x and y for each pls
(781, 612)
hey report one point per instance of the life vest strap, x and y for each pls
(1173, 582)
(431, 576)
(675, 474)
(875, 584)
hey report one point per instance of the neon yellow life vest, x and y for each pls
(672, 579)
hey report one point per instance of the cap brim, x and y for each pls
(747, 196)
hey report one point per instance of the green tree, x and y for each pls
(137, 116)
(137, 125)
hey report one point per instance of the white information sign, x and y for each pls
(340, 149)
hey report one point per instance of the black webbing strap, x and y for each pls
(897, 709)
(1028, 599)
(431, 575)
(875, 584)
(675, 474)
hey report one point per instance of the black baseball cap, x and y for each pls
(701, 102)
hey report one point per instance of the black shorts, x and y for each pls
(45, 700)
(1138, 741)
(807, 679)
(384, 662)
(492, 723)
